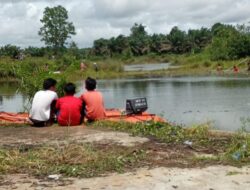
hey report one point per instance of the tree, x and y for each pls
(159, 43)
(223, 42)
(10, 50)
(139, 40)
(178, 39)
(118, 45)
(216, 28)
(35, 51)
(56, 29)
(73, 50)
(199, 38)
(101, 47)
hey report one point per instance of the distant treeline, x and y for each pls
(221, 41)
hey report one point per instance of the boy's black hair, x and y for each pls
(90, 84)
(48, 83)
(70, 89)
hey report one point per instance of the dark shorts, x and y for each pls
(37, 123)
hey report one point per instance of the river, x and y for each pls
(222, 101)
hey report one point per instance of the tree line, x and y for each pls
(221, 41)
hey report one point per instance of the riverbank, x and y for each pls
(107, 149)
(108, 68)
(186, 65)
(105, 156)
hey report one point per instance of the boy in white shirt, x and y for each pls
(43, 101)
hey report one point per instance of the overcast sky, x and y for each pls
(93, 19)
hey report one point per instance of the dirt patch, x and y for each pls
(119, 138)
(10, 136)
(210, 178)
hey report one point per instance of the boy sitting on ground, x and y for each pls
(69, 107)
(41, 113)
(93, 104)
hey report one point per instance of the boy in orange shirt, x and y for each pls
(93, 101)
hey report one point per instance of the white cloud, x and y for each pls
(93, 19)
(120, 8)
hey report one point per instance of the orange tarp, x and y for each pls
(17, 118)
(111, 115)
(117, 115)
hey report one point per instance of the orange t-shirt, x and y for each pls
(94, 105)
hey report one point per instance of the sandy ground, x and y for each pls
(210, 178)
(51, 135)
(160, 178)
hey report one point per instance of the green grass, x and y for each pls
(223, 147)
(75, 160)
(161, 131)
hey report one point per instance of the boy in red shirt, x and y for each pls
(93, 101)
(69, 107)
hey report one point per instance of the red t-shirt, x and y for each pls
(69, 110)
(94, 105)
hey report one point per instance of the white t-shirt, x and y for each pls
(40, 109)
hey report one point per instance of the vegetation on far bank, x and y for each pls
(69, 67)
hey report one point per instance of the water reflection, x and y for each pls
(221, 101)
(10, 100)
(1, 100)
(8, 89)
(187, 100)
